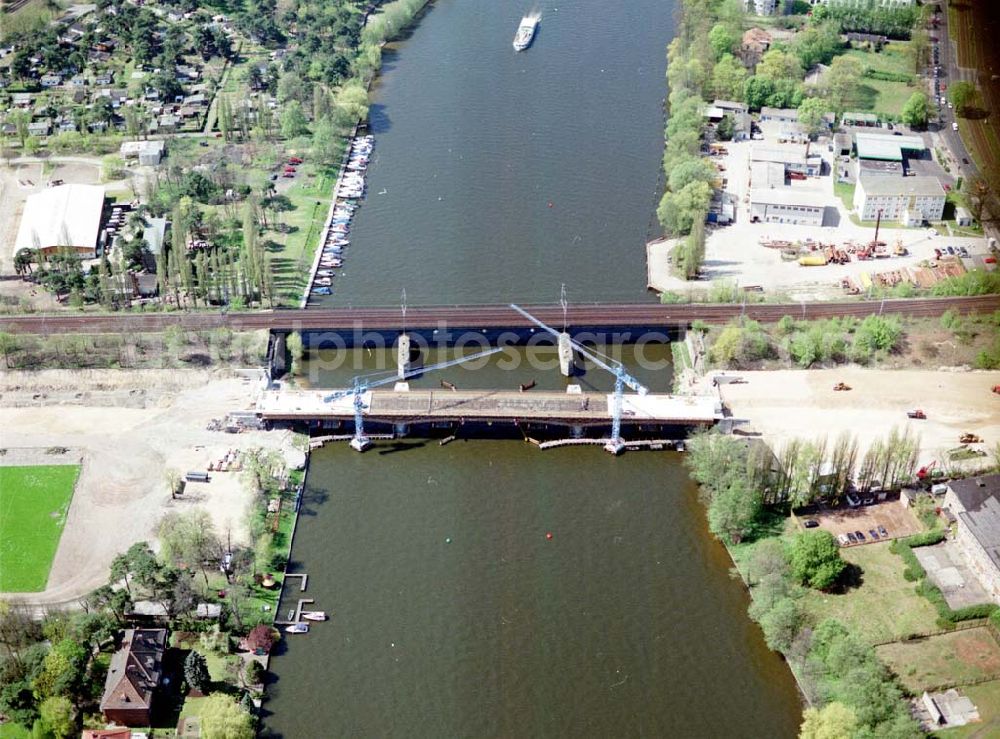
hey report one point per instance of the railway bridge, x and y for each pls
(348, 321)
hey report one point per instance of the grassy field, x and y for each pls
(894, 57)
(987, 700)
(883, 607)
(882, 96)
(293, 250)
(33, 506)
(845, 191)
(944, 660)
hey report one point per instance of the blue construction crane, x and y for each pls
(363, 383)
(622, 379)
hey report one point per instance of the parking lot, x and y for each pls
(896, 520)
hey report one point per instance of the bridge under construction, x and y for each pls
(399, 409)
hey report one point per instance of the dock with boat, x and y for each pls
(348, 192)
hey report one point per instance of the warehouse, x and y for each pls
(785, 205)
(66, 216)
(888, 148)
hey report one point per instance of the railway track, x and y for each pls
(483, 317)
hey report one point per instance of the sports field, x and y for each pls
(34, 502)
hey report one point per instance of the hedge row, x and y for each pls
(881, 74)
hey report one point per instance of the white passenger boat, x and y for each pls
(525, 32)
(297, 628)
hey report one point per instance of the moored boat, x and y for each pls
(314, 615)
(297, 628)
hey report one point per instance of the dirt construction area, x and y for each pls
(782, 405)
(130, 427)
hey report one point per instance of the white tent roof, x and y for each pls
(67, 215)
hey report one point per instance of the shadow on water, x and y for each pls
(378, 118)
(401, 446)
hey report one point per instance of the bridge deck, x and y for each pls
(488, 405)
(482, 316)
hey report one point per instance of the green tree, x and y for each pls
(722, 40)
(833, 721)
(326, 143)
(815, 559)
(189, 539)
(811, 112)
(733, 511)
(961, 94)
(728, 78)
(678, 210)
(776, 65)
(726, 128)
(223, 718)
(9, 344)
(692, 170)
(919, 49)
(58, 716)
(781, 624)
(916, 110)
(293, 120)
(196, 672)
(757, 91)
(842, 80)
(879, 333)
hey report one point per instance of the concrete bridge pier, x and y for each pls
(403, 356)
(565, 355)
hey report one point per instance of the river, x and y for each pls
(506, 174)
(455, 614)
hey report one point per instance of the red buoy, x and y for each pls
(548, 535)
(550, 204)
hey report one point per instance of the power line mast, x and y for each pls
(622, 379)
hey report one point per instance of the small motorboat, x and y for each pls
(322, 291)
(297, 628)
(314, 615)
(322, 282)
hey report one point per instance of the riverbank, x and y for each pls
(782, 405)
(131, 427)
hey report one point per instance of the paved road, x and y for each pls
(481, 317)
(951, 73)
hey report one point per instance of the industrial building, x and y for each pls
(795, 158)
(149, 153)
(909, 200)
(65, 216)
(887, 147)
(785, 205)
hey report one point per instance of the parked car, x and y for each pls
(873, 533)
(852, 501)
(882, 531)
(811, 523)
(950, 250)
(843, 540)
(963, 251)
(294, 160)
(868, 500)
(852, 538)
(861, 537)
(965, 160)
